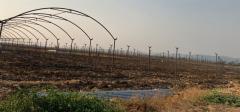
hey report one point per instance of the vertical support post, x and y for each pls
(96, 49)
(189, 57)
(127, 50)
(17, 42)
(51, 45)
(176, 66)
(216, 58)
(149, 58)
(90, 47)
(66, 46)
(2, 22)
(121, 51)
(29, 42)
(12, 41)
(46, 45)
(197, 58)
(85, 49)
(75, 47)
(37, 42)
(134, 52)
(96, 57)
(1, 28)
(23, 41)
(114, 46)
(110, 49)
(168, 54)
(216, 63)
(57, 44)
(71, 46)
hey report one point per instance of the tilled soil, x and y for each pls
(21, 68)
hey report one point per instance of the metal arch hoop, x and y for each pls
(33, 29)
(35, 23)
(8, 37)
(71, 11)
(15, 32)
(21, 32)
(31, 22)
(47, 21)
(61, 18)
(12, 38)
(11, 25)
(7, 32)
(11, 34)
(68, 11)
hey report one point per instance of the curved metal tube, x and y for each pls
(31, 22)
(5, 31)
(6, 35)
(22, 33)
(70, 11)
(61, 18)
(47, 21)
(15, 33)
(25, 30)
(9, 33)
(36, 19)
(35, 30)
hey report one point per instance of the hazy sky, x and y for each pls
(200, 26)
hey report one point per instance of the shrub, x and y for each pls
(55, 101)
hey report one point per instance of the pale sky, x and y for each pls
(200, 26)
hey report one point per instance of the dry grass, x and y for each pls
(188, 100)
(181, 102)
(233, 87)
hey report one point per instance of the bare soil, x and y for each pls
(24, 67)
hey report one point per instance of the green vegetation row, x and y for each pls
(216, 97)
(52, 100)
